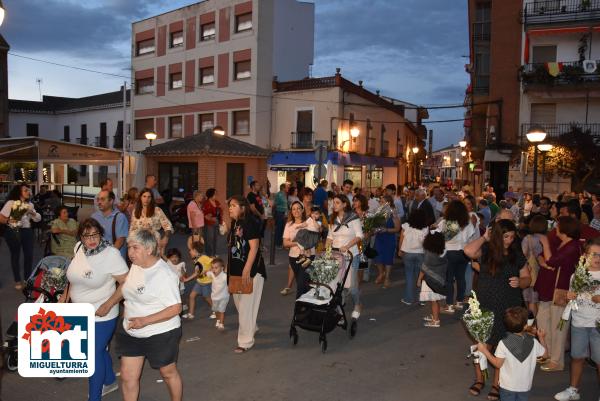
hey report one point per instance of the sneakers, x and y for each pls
(428, 318)
(286, 291)
(569, 394)
(213, 315)
(355, 314)
(448, 310)
(188, 316)
(405, 302)
(219, 325)
(110, 388)
(432, 323)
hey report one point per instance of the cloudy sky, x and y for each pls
(408, 49)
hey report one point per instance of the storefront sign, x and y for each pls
(289, 168)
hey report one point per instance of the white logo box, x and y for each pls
(42, 352)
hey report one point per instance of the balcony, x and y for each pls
(101, 142)
(481, 31)
(81, 141)
(303, 140)
(554, 131)
(560, 11)
(569, 74)
(118, 141)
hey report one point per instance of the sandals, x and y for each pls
(494, 393)
(241, 350)
(286, 291)
(476, 388)
(432, 323)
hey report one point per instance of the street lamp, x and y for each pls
(544, 148)
(415, 150)
(2, 12)
(218, 130)
(462, 144)
(150, 136)
(463, 153)
(354, 132)
(535, 135)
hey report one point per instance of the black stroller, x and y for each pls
(45, 285)
(323, 314)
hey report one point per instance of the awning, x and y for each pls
(355, 159)
(495, 156)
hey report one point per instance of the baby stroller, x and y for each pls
(322, 308)
(45, 285)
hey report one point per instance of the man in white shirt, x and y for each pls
(437, 202)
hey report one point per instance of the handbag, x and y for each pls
(559, 297)
(236, 285)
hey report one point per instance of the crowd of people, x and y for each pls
(518, 254)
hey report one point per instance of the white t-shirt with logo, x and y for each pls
(91, 278)
(148, 291)
(515, 375)
(219, 289)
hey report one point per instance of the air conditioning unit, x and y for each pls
(589, 66)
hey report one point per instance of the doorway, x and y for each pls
(235, 179)
(179, 178)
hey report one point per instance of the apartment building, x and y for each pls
(447, 166)
(213, 62)
(369, 138)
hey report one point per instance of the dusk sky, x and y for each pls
(408, 49)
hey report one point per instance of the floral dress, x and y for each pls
(156, 223)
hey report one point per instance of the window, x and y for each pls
(206, 122)
(144, 86)
(385, 148)
(207, 75)
(103, 138)
(83, 139)
(176, 81)
(354, 174)
(67, 134)
(304, 121)
(243, 22)
(143, 126)
(241, 122)
(33, 129)
(482, 69)
(543, 54)
(175, 127)
(242, 70)
(145, 47)
(176, 39)
(207, 31)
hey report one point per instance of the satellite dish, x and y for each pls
(589, 66)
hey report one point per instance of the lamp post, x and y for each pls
(462, 144)
(415, 150)
(150, 136)
(2, 12)
(535, 135)
(218, 130)
(544, 148)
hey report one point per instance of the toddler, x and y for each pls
(308, 235)
(203, 281)
(220, 292)
(432, 277)
(178, 266)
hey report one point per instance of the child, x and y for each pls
(516, 355)
(308, 235)
(432, 277)
(220, 292)
(174, 261)
(584, 338)
(203, 282)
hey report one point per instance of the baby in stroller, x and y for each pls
(45, 285)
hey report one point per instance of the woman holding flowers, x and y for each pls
(585, 337)
(385, 244)
(503, 273)
(344, 235)
(556, 267)
(457, 229)
(18, 213)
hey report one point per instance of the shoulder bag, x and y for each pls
(559, 298)
(235, 283)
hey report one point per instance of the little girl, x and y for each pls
(219, 291)
(432, 277)
(174, 261)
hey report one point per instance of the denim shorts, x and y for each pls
(584, 339)
(203, 289)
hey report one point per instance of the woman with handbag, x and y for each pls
(148, 216)
(503, 274)
(552, 284)
(93, 273)
(246, 271)
(532, 247)
(385, 244)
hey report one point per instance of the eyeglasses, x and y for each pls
(90, 236)
(596, 255)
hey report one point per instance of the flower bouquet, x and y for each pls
(581, 282)
(451, 229)
(323, 270)
(479, 324)
(17, 211)
(377, 218)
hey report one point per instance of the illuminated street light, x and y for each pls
(2, 12)
(544, 148)
(218, 130)
(462, 144)
(463, 153)
(354, 132)
(536, 134)
(150, 136)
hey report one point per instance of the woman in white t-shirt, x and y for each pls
(92, 274)
(412, 236)
(151, 326)
(457, 229)
(18, 213)
(345, 233)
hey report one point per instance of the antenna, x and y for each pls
(39, 84)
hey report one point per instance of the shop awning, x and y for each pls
(355, 159)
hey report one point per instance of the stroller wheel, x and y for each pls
(12, 362)
(353, 328)
(324, 346)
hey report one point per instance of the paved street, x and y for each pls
(392, 357)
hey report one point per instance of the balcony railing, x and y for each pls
(303, 140)
(82, 141)
(554, 131)
(567, 73)
(481, 31)
(559, 11)
(118, 141)
(101, 142)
